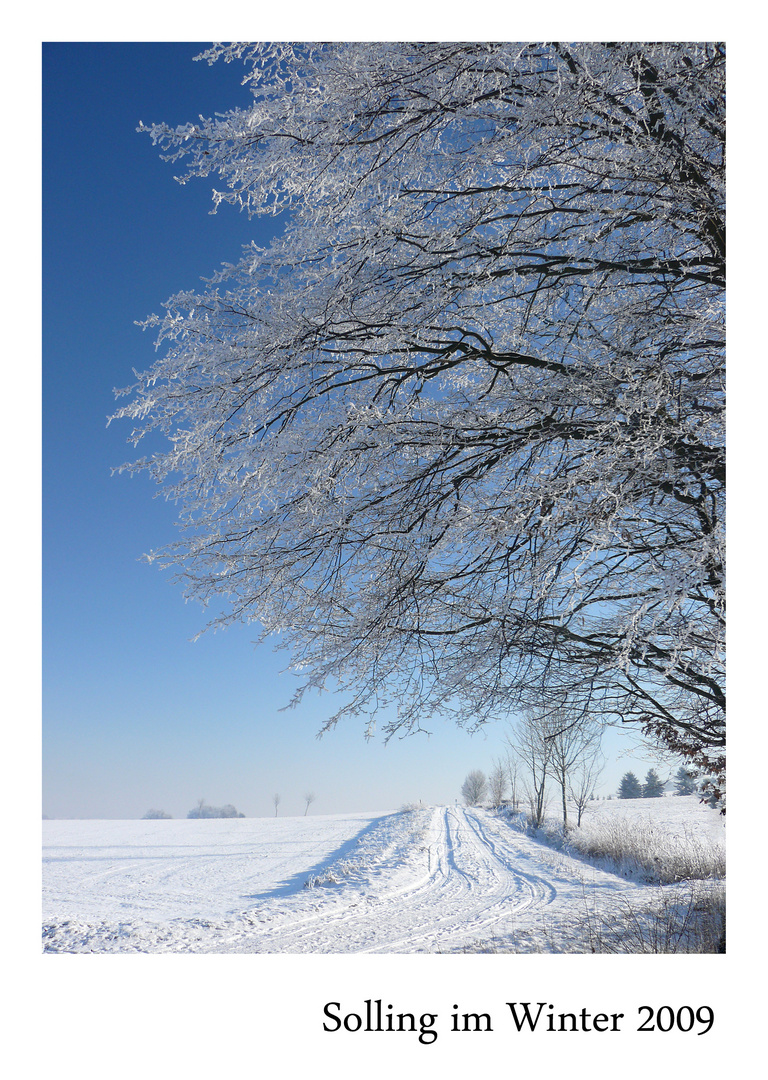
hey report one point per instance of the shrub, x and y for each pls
(204, 811)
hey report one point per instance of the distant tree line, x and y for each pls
(631, 788)
(202, 810)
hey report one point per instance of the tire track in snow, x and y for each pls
(541, 888)
(470, 888)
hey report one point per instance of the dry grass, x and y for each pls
(650, 852)
(681, 920)
(646, 852)
(688, 913)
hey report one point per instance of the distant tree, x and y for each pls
(511, 765)
(574, 739)
(498, 782)
(202, 810)
(584, 777)
(653, 788)
(554, 741)
(276, 802)
(155, 815)
(685, 781)
(474, 788)
(630, 787)
(309, 798)
(529, 743)
(712, 794)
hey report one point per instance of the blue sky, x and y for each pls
(136, 715)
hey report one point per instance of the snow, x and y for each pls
(438, 879)
(678, 815)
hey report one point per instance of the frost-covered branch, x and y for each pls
(457, 433)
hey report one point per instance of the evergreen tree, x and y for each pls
(685, 781)
(653, 788)
(630, 787)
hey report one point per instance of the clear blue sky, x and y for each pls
(136, 715)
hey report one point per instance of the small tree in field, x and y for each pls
(511, 768)
(309, 798)
(581, 786)
(685, 781)
(653, 788)
(573, 740)
(630, 787)
(474, 788)
(497, 783)
(276, 802)
(529, 744)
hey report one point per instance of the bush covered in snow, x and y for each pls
(204, 811)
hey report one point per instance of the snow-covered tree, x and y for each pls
(511, 767)
(574, 741)
(528, 743)
(583, 780)
(630, 787)
(653, 787)
(309, 798)
(498, 782)
(202, 810)
(685, 781)
(711, 794)
(474, 788)
(456, 435)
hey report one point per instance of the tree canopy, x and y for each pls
(456, 434)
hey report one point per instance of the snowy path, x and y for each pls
(432, 880)
(470, 888)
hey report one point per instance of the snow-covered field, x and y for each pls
(438, 879)
(679, 816)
